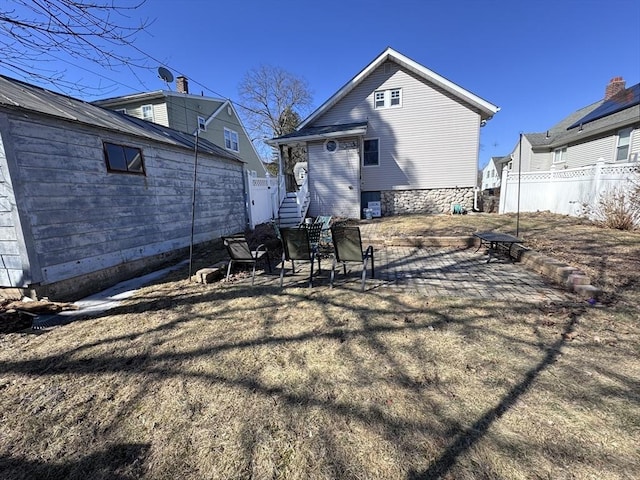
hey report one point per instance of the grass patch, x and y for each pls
(231, 382)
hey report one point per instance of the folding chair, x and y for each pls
(347, 244)
(239, 252)
(296, 246)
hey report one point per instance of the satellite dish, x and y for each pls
(165, 74)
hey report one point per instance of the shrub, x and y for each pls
(617, 209)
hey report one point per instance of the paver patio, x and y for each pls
(434, 271)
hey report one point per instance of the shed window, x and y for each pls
(622, 150)
(371, 154)
(124, 159)
(231, 140)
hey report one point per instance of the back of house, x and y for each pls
(397, 135)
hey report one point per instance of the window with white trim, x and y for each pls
(624, 140)
(560, 155)
(202, 124)
(231, 140)
(147, 112)
(388, 98)
(371, 153)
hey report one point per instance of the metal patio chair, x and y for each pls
(347, 245)
(239, 252)
(297, 247)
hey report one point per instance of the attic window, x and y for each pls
(388, 98)
(147, 112)
(123, 159)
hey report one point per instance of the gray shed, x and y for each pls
(89, 197)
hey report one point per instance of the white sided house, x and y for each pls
(569, 167)
(90, 197)
(492, 172)
(397, 133)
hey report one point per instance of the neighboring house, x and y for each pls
(89, 197)
(607, 130)
(492, 172)
(396, 133)
(214, 119)
(570, 166)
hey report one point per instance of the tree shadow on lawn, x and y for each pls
(368, 319)
(118, 462)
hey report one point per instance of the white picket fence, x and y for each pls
(565, 191)
(264, 196)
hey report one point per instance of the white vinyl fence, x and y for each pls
(574, 191)
(263, 199)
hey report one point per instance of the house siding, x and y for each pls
(420, 141)
(334, 179)
(184, 112)
(79, 218)
(634, 153)
(12, 270)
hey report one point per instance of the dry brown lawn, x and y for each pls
(226, 381)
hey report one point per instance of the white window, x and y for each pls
(396, 97)
(231, 140)
(202, 124)
(388, 98)
(560, 155)
(147, 112)
(371, 153)
(624, 139)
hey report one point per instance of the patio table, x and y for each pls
(495, 241)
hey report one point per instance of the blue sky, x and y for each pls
(538, 60)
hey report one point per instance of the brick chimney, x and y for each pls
(182, 84)
(616, 85)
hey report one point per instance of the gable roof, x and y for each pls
(21, 96)
(600, 118)
(486, 109)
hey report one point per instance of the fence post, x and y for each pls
(503, 191)
(250, 198)
(597, 181)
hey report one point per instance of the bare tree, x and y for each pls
(274, 100)
(35, 34)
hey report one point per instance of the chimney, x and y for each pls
(182, 84)
(616, 85)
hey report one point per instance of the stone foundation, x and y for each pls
(437, 200)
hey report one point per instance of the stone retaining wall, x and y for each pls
(437, 200)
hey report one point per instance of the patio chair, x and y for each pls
(325, 232)
(296, 247)
(314, 230)
(347, 244)
(239, 252)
